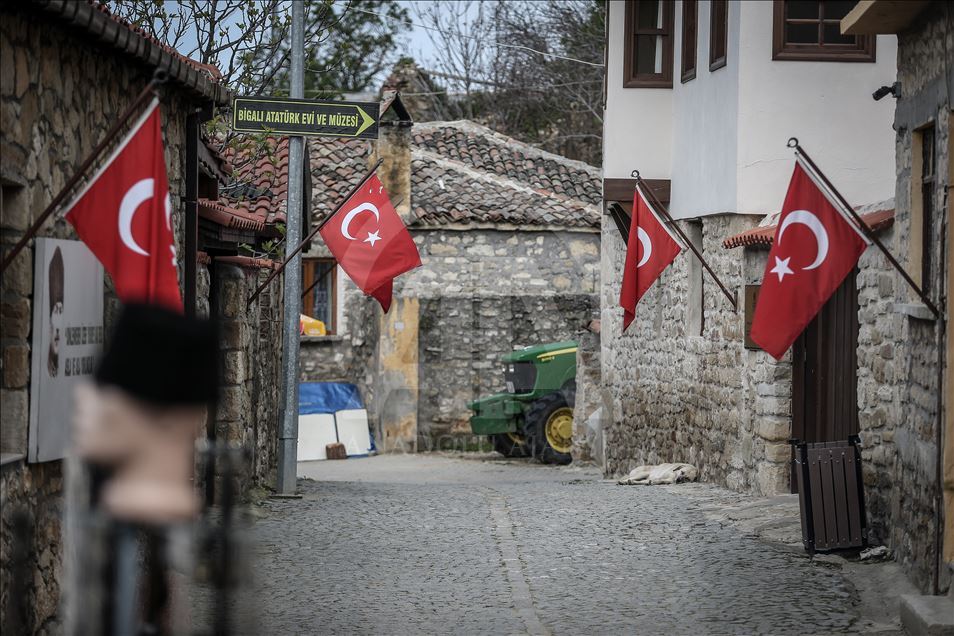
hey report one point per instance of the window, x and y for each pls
(923, 190)
(690, 10)
(319, 282)
(718, 33)
(811, 30)
(648, 48)
(696, 318)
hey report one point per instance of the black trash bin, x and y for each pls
(831, 495)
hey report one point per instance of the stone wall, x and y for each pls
(678, 394)
(588, 412)
(462, 340)
(899, 357)
(58, 96)
(482, 292)
(251, 345)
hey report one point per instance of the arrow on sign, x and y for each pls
(366, 121)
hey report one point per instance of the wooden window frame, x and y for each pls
(631, 79)
(308, 299)
(690, 41)
(862, 51)
(718, 61)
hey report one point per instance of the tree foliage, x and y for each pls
(532, 70)
(356, 44)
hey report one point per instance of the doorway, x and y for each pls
(825, 371)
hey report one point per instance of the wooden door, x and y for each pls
(825, 371)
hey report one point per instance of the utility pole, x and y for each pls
(288, 436)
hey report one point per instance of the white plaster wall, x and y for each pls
(705, 124)
(637, 124)
(827, 105)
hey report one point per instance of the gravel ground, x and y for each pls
(433, 544)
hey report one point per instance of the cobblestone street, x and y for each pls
(433, 544)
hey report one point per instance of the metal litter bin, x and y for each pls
(831, 495)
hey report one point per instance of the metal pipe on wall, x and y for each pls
(191, 229)
(288, 435)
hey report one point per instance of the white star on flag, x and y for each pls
(372, 237)
(781, 267)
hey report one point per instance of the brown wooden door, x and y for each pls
(825, 371)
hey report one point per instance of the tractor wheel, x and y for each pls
(550, 428)
(511, 445)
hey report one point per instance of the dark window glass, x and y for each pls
(928, 179)
(801, 33)
(811, 30)
(690, 12)
(718, 33)
(648, 48)
(650, 15)
(802, 9)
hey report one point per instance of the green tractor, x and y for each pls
(535, 416)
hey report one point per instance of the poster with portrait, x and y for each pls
(67, 339)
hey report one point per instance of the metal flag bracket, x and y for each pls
(862, 226)
(159, 77)
(664, 213)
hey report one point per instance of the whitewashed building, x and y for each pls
(701, 98)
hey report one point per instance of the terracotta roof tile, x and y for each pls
(464, 173)
(229, 216)
(765, 235)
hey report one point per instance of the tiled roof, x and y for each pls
(99, 22)
(482, 149)
(336, 167)
(464, 173)
(228, 216)
(268, 174)
(765, 235)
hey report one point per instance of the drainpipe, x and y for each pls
(191, 211)
(941, 335)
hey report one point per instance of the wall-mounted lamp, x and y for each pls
(894, 90)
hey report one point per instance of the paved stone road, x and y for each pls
(437, 545)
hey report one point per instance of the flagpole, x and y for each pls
(660, 208)
(799, 151)
(301, 245)
(158, 78)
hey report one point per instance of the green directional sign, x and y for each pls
(287, 116)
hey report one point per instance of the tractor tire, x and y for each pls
(550, 428)
(511, 445)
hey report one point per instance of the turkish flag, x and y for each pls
(816, 246)
(651, 248)
(124, 215)
(370, 242)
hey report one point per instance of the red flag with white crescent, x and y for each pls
(124, 215)
(816, 246)
(368, 239)
(650, 249)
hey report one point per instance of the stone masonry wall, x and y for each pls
(588, 417)
(898, 379)
(251, 345)
(679, 396)
(58, 95)
(484, 292)
(473, 309)
(462, 341)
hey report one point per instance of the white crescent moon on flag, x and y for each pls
(647, 246)
(364, 207)
(135, 196)
(811, 221)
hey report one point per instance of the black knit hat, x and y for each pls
(162, 357)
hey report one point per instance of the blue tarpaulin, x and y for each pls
(327, 397)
